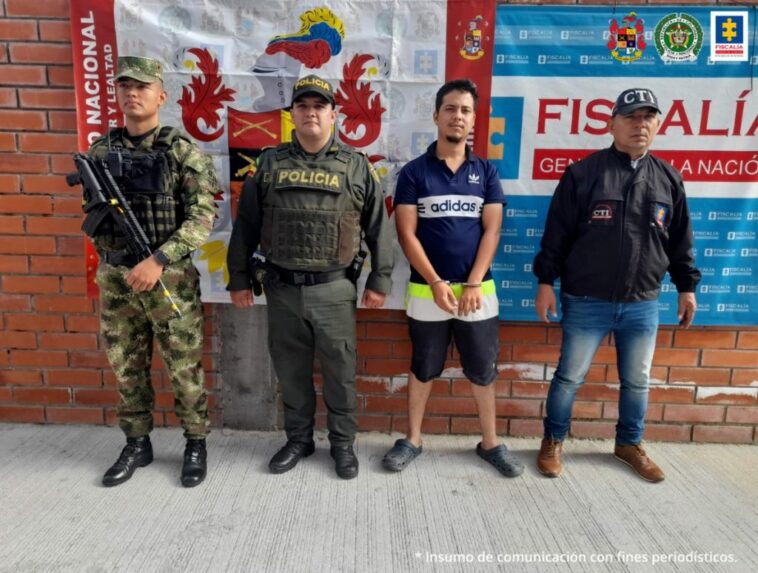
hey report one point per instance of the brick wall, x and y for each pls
(53, 368)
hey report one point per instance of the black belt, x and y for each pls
(120, 259)
(304, 278)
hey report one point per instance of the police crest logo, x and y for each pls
(627, 40)
(678, 38)
(472, 40)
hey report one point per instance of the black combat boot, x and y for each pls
(195, 462)
(137, 453)
(345, 461)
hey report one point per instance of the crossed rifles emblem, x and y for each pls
(247, 125)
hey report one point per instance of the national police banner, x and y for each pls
(556, 74)
(230, 66)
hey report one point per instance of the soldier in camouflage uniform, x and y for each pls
(170, 186)
(308, 206)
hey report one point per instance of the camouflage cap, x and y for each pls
(145, 70)
(312, 85)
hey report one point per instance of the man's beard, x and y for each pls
(454, 139)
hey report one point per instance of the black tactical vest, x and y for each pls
(311, 221)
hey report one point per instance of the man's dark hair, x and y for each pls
(460, 85)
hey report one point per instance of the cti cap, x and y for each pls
(312, 85)
(145, 70)
(633, 99)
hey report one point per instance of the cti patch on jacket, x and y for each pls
(660, 214)
(603, 213)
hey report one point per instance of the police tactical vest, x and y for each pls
(149, 186)
(311, 221)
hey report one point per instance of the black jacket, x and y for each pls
(612, 231)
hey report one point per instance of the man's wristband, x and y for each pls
(161, 257)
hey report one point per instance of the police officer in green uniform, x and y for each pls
(308, 206)
(170, 185)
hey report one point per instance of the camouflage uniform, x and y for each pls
(129, 320)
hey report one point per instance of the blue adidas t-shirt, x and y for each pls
(449, 209)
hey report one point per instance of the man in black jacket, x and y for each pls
(617, 222)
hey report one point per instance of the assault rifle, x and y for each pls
(103, 197)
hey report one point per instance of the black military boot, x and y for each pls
(195, 462)
(345, 462)
(137, 453)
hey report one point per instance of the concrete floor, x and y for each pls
(448, 511)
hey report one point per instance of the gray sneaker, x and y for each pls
(499, 456)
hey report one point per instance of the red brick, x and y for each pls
(3, 52)
(14, 302)
(430, 425)
(74, 285)
(54, 31)
(523, 334)
(664, 337)
(53, 226)
(742, 414)
(163, 399)
(34, 322)
(598, 392)
(379, 330)
(374, 423)
(705, 339)
(22, 414)
(19, 163)
(535, 353)
(386, 404)
(12, 224)
(374, 348)
(517, 408)
(721, 395)
(24, 204)
(441, 405)
(75, 415)
(40, 53)
(42, 395)
(13, 264)
(723, 434)
(60, 303)
(529, 389)
(71, 377)
(63, 165)
(388, 366)
(61, 75)
(78, 323)
(10, 184)
(604, 430)
(108, 398)
(676, 394)
(38, 8)
(668, 433)
(748, 340)
(21, 120)
(62, 120)
(30, 284)
(23, 75)
(71, 246)
(38, 358)
(471, 426)
(27, 245)
(675, 357)
(611, 411)
(699, 375)
(690, 413)
(5, 394)
(68, 206)
(463, 388)
(730, 358)
(8, 95)
(591, 410)
(526, 427)
(744, 377)
(8, 142)
(18, 29)
(368, 385)
(47, 184)
(47, 98)
(48, 142)
(25, 377)
(84, 359)
(68, 341)
(13, 339)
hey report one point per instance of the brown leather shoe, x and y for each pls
(636, 457)
(549, 458)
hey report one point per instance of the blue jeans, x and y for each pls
(585, 322)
